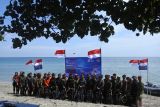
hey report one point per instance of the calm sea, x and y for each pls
(110, 65)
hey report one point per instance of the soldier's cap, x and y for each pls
(118, 77)
(124, 75)
(64, 74)
(114, 74)
(53, 74)
(107, 75)
(134, 77)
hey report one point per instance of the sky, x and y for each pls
(124, 43)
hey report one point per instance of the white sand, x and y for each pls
(6, 90)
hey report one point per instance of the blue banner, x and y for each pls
(85, 65)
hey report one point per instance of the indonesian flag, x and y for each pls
(38, 64)
(94, 53)
(134, 61)
(60, 53)
(143, 64)
(143, 61)
(29, 62)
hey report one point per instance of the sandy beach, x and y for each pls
(6, 94)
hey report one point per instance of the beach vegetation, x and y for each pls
(63, 19)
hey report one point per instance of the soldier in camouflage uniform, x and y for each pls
(89, 90)
(34, 84)
(70, 87)
(140, 91)
(93, 87)
(134, 91)
(113, 80)
(15, 83)
(107, 90)
(124, 87)
(38, 85)
(30, 84)
(99, 88)
(118, 90)
(23, 84)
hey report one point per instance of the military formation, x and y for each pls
(90, 88)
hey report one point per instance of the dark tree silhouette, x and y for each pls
(62, 19)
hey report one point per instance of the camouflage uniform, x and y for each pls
(134, 91)
(30, 84)
(107, 90)
(38, 86)
(23, 84)
(16, 83)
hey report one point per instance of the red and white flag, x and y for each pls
(135, 61)
(29, 62)
(138, 61)
(60, 53)
(38, 61)
(94, 53)
(142, 64)
(143, 60)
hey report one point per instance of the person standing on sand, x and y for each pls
(128, 91)
(107, 90)
(118, 90)
(113, 80)
(30, 84)
(15, 83)
(99, 88)
(134, 91)
(64, 81)
(46, 82)
(76, 79)
(124, 85)
(59, 85)
(23, 83)
(140, 91)
(38, 85)
(81, 87)
(94, 82)
(52, 86)
(34, 84)
(88, 87)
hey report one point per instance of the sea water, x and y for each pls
(110, 65)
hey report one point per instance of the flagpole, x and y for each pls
(65, 60)
(139, 66)
(147, 75)
(148, 81)
(101, 59)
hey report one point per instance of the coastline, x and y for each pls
(6, 94)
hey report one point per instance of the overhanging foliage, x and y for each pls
(62, 19)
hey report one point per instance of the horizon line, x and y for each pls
(76, 56)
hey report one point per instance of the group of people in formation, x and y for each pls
(110, 89)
